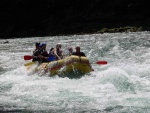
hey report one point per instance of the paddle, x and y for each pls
(27, 57)
(29, 63)
(101, 62)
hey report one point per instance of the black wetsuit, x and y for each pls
(35, 54)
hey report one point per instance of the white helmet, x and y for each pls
(58, 45)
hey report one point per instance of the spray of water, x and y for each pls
(123, 85)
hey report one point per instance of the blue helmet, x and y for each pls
(42, 44)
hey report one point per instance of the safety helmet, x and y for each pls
(43, 43)
(58, 45)
(40, 45)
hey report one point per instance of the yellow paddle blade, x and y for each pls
(29, 63)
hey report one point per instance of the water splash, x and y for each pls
(123, 85)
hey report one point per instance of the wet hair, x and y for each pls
(77, 46)
(70, 48)
(51, 49)
(37, 44)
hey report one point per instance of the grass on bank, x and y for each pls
(120, 29)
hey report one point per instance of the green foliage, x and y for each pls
(120, 29)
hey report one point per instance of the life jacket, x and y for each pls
(51, 55)
(36, 52)
(44, 53)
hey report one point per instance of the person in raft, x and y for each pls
(55, 53)
(78, 52)
(70, 50)
(43, 52)
(36, 52)
(40, 53)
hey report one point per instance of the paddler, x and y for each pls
(78, 52)
(36, 52)
(55, 53)
(70, 50)
(40, 53)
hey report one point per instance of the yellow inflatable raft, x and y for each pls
(66, 65)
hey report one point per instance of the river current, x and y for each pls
(121, 86)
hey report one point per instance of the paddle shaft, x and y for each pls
(101, 62)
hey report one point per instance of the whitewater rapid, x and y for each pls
(123, 85)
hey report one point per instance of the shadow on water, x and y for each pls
(72, 75)
(10, 109)
(76, 74)
(125, 109)
(2, 70)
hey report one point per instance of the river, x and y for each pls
(121, 86)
